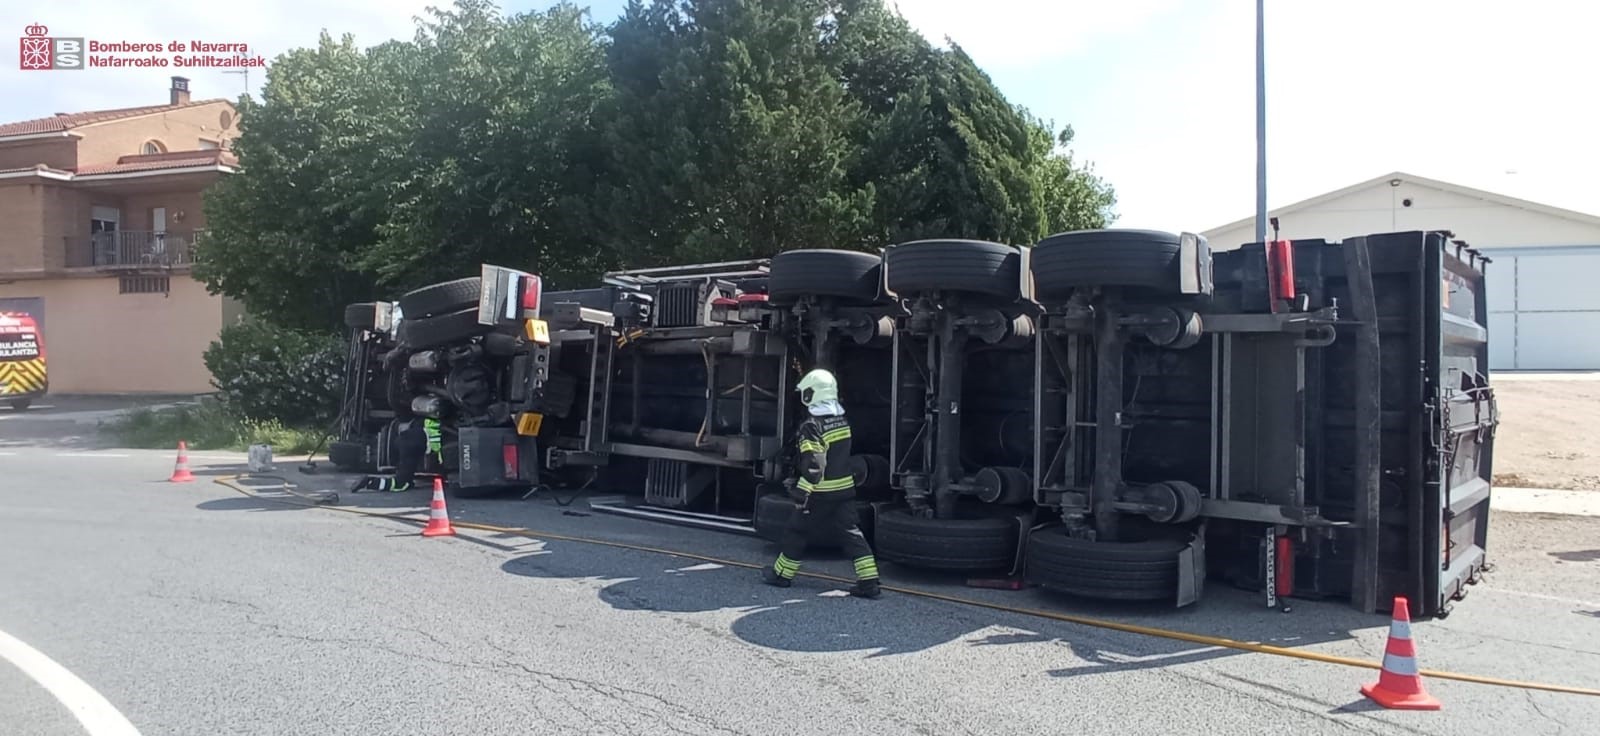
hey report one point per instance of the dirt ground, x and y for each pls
(1546, 439)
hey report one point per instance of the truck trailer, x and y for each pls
(1111, 414)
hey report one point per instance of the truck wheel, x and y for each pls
(772, 515)
(774, 511)
(974, 543)
(432, 332)
(348, 456)
(1131, 571)
(363, 315)
(21, 404)
(973, 266)
(431, 301)
(821, 272)
(1082, 258)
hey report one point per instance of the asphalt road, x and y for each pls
(196, 610)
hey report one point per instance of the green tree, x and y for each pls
(501, 147)
(287, 234)
(366, 173)
(690, 130)
(729, 134)
(949, 155)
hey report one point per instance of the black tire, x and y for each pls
(988, 543)
(432, 301)
(348, 456)
(972, 266)
(1139, 258)
(820, 272)
(432, 332)
(1130, 571)
(362, 315)
(772, 514)
(774, 511)
(21, 404)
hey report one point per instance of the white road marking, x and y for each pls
(8, 454)
(1540, 596)
(90, 454)
(98, 716)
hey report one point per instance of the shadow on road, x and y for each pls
(1585, 555)
(812, 616)
(816, 616)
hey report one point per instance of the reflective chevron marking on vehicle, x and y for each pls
(22, 376)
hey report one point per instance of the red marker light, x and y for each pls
(508, 452)
(532, 289)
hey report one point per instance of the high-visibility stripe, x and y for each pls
(809, 446)
(866, 567)
(785, 567)
(827, 486)
(842, 433)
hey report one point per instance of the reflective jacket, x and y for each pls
(430, 428)
(824, 457)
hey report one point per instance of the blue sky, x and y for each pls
(1160, 92)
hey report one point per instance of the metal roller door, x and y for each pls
(1544, 308)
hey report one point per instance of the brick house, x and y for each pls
(99, 214)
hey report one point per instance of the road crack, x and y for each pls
(620, 694)
(1562, 725)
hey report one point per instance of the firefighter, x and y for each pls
(825, 489)
(412, 441)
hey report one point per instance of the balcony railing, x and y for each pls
(134, 249)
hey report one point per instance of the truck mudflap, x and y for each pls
(490, 458)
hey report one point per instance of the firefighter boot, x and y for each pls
(781, 572)
(866, 576)
(866, 588)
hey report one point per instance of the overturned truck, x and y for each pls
(1112, 414)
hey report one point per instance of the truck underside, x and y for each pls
(1113, 414)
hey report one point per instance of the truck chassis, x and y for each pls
(1113, 414)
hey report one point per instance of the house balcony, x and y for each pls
(134, 250)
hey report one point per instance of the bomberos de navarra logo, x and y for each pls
(41, 51)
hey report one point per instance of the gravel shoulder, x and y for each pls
(1545, 438)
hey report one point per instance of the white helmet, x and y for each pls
(817, 387)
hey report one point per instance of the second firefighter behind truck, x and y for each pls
(825, 490)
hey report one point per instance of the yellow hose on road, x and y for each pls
(1099, 623)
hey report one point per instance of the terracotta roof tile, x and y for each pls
(69, 120)
(158, 162)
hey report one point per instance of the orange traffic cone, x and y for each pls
(180, 473)
(438, 516)
(1399, 684)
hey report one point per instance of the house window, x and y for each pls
(152, 147)
(145, 284)
(206, 145)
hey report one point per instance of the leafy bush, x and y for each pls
(266, 372)
(207, 425)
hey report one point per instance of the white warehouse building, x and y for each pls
(1544, 306)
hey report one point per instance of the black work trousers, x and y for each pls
(828, 516)
(411, 448)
